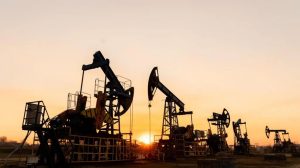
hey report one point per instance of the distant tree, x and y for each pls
(3, 139)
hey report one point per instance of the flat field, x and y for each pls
(238, 162)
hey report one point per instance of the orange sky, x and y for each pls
(240, 55)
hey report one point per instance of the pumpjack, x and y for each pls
(175, 140)
(217, 142)
(241, 140)
(285, 145)
(81, 133)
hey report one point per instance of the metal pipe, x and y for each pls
(81, 82)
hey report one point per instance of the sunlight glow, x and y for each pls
(144, 139)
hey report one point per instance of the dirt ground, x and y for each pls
(238, 162)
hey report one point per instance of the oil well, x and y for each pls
(175, 140)
(85, 134)
(241, 140)
(283, 143)
(217, 141)
(82, 134)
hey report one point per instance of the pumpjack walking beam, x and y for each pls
(125, 96)
(114, 91)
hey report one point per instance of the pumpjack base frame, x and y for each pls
(87, 149)
(181, 148)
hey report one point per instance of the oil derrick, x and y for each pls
(280, 145)
(174, 137)
(241, 141)
(217, 142)
(81, 133)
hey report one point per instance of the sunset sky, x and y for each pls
(241, 55)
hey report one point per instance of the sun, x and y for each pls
(145, 138)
